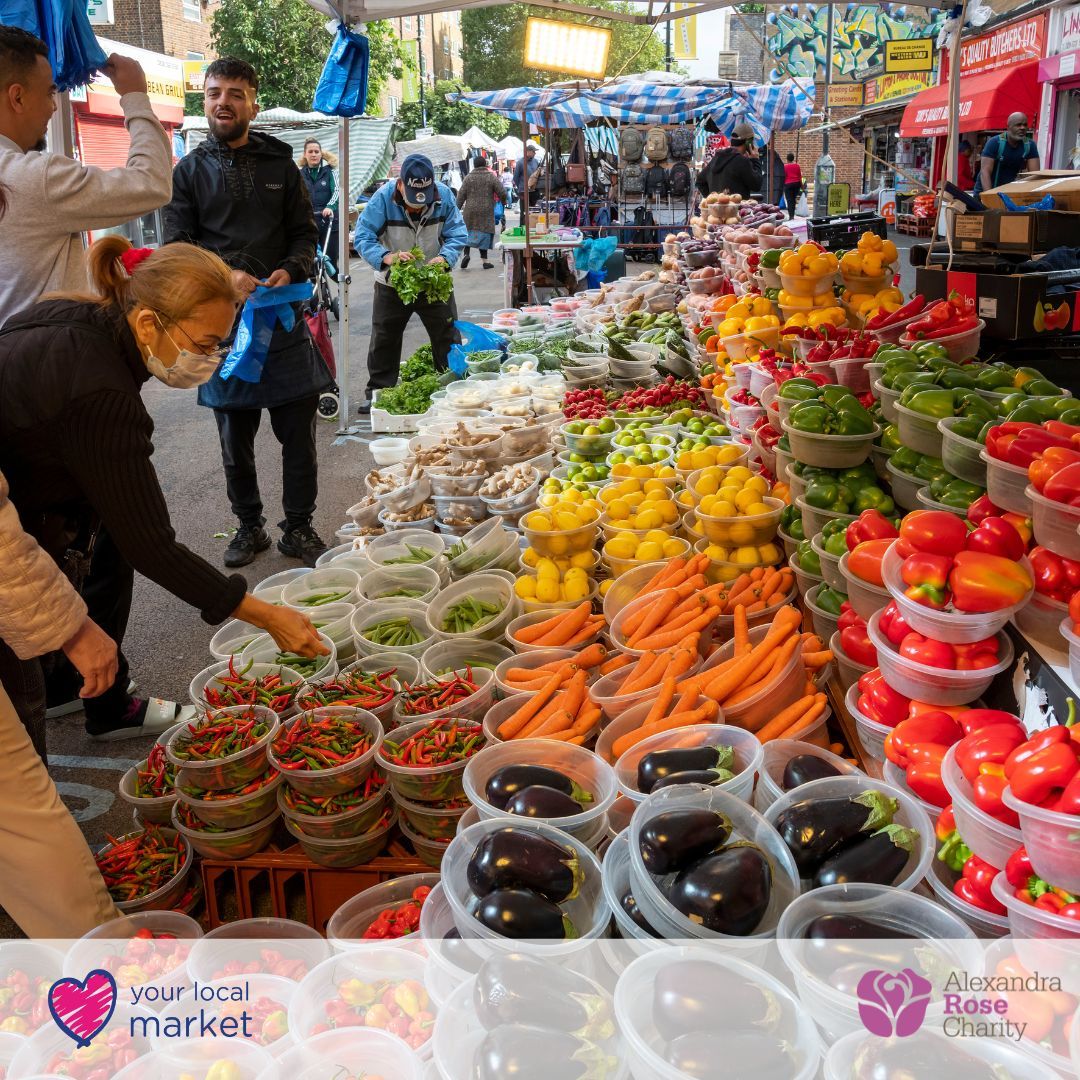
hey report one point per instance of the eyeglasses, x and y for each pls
(219, 353)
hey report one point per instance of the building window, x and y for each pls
(193, 10)
(392, 105)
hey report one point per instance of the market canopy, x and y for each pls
(985, 102)
(438, 149)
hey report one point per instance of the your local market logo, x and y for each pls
(83, 1008)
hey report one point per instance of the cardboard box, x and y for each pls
(1062, 184)
(1014, 306)
(1021, 232)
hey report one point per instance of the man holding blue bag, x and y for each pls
(240, 195)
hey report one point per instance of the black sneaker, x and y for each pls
(465, 262)
(301, 542)
(488, 266)
(246, 544)
(364, 408)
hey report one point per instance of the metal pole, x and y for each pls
(343, 254)
(423, 67)
(525, 206)
(828, 79)
(669, 56)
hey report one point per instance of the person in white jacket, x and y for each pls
(49, 883)
(51, 199)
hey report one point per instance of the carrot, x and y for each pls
(575, 693)
(518, 720)
(559, 720)
(733, 677)
(658, 612)
(578, 740)
(737, 586)
(619, 660)
(567, 627)
(775, 659)
(783, 719)
(565, 668)
(590, 629)
(811, 642)
(688, 700)
(817, 660)
(812, 715)
(700, 715)
(661, 704)
(640, 672)
(661, 575)
(592, 656)
(530, 634)
(742, 631)
(665, 639)
(685, 655)
(772, 586)
(635, 618)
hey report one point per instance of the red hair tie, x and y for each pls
(133, 256)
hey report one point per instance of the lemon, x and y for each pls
(525, 587)
(558, 544)
(741, 534)
(654, 485)
(669, 512)
(641, 471)
(649, 519)
(717, 551)
(746, 499)
(665, 471)
(629, 487)
(608, 495)
(562, 564)
(621, 547)
(657, 536)
(529, 557)
(620, 470)
(740, 473)
(605, 586)
(575, 574)
(745, 556)
(700, 459)
(672, 547)
(572, 495)
(707, 484)
(706, 505)
(685, 498)
(723, 508)
(728, 453)
(619, 510)
(549, 500)
(757, 483)
(756, 508)
(649, 551)
(547, 592)
(566, 520)
(538, 522)
(685, 461)
(725, 573)
(582, 560)
(769, 553)
(546, 570)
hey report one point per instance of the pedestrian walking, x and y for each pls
(321, 179)
(481, 193)
(735, 169)
(793, 184)
(413, 211)
(240, 195)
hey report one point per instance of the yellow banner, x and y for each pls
(684, 35)
(915, 54)
(195, 75)
(845, 95)
(886, 87)
(410, 74)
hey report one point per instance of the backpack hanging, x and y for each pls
(681, 143)
(631, 144)
(679, 180)
(656, 144)
(656, 181)
(633, 180)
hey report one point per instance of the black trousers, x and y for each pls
(293, 425)
(791, 197)
(389, 317)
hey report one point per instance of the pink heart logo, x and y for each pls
(82, 1009)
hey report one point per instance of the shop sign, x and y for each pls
(1069, 38)
(838, 200)
(164, 83)
(100, 12)
(195, 76)
(1014, 43)
(887, 87)
(845, 95)
(916, 54)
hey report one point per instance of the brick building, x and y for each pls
(439, 39)
(179, 28)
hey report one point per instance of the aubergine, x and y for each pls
(816, 829)
(522, 913)
(708, 777)
(536, 1053)
(674, 839)
(837, 941)
(542, 802)
(519, 989)
(727, 892)
(661, 763)
(804, 768)
(506, 782)
(716, 1055)
(686, 996)
(852, 927)
(878, 859)
(630, 906)
(516, 859)
(458, 953)
(916, 1057)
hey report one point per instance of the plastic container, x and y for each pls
(1006, 485)
(829, 451)
(616, 882)
(848, 671)
(888, 399)
(1040, 620)
(588, 911)
(871, 734)
(909, 813)
(1055, 524)
(959, 346)
(371, 615)
(473, 707)
(747, 749)
(345, 929)
(528, 661)
(962, 457)
(747, 824)
(985, 924)
(1028, 921)
(445, 657)
(919, 432)
(1051, 841)
(955, 627)
(325, 782)
(484, 588)
(157, 810)
(804, 581)
(480, 548)
(208, 677)
(383, 550)
(237, 812)
(532, 618)
(352, 822)
(264, 650)
(424, 784)
(393, 583)
(814, 520)
(345, 851)
(350, 1051)
(825, 623)
(905, 488)
(232, 638)
(776, 756)
(230, 843)
(865, 597)
(431, 821)
(830, 565)
(804, 285)
(339, 582)
(235, 770)
(743, 530)
(555, 544)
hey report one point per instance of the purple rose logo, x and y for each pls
(893, 1003)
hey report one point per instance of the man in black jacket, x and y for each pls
(241, 195)
(736, 169)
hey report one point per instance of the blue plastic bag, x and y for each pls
(473, 339)
(264, 309)
(343, 84)
(594, 254)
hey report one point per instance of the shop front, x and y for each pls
(1059, 74)
(100, 136)
(999, 75)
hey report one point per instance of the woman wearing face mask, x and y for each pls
(75, 446)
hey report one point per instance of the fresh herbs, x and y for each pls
(411, 277)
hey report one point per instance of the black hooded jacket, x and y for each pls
(730, 171)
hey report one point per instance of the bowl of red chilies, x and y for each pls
(145, 870)
(335, 817)
(225, 749)
(467, 695)
(327, 751)
(425, 760)
(355, 687)
(148, 787)
(226, 685)
(236, 807)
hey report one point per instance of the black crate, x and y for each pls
(842, 233)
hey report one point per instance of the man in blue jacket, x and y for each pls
(411, 212)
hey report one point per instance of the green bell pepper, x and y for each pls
(834, 395)
(808, 558)
(799, 389)
(1041, 388)
(930, 468)
(936, 404)
(968, 427)
(903, 379)
(836, 543)
(956, 492)
(834, 527)
(809, 416)
(890, 438)
(852, 420)
(995, 377)
(858, 476)
(873, 498)
(830, 600)
(905, 459)
(930, 350)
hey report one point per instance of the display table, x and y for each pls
(551, 269)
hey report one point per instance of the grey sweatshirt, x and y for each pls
(52, 200)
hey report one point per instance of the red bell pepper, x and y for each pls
(1018, 870)
(865, 561)
(931, 727)
(1069, 803)
(869, 525)
(1045, 774)
(990, 745)
(1052, 459)
(1000, 437)
(890, 318)
(926, 577)
(924, 650)
(1051, 577)
(857, 646)
(977, 654)
(923, 772)
(996, 536)
(987, 790)
(1021, 524)
(1057, 735)
(1066, 431)
(1064, 485)
(973, 720)
(981, 509)
(935, 532)
(879, 701)
(975, 885)
(1074, 611)
(892, 624)
(984, 583)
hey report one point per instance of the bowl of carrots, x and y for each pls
(563, 709)
(653, 674)
(576, 628)
(664, 619)
(527, 673)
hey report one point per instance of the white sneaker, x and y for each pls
(161, 715)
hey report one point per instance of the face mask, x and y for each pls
(189, 369)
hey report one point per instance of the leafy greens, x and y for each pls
(414, 276)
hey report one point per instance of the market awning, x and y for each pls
(985, 102)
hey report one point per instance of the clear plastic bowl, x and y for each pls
(865, 597)
(634, 1011)
(804, 581)
(209, 677)
(747, 824)
(432, 822)
(352, 822)
(529, 661)
(345, 851)
(529, 620)
(962, 457)
(232, 638)
(351, 1051)
(747, 749)
(743, 530)
(389, 583)
(335, 621)
(888, 399)
(825, 623)
(157, 810)
(264, 650)
(237, 812)
(38, 962)
(1051, 840)
(955, 627)
(919, 432)
(848, 671)
(593, 445)
(425, 784)
(406, 668)
(329, 581)
(1028, 921)
(370, 615)
(852, 374)
(984, 923)
(555, 544)
(1055, 524)
(235, 770)
(382, 550)
(429, 852)
(871, 734)
(1006, 485)
(588, 911)
(445, 657)
(234, 947)
(905, 488)
(628, 720)
(605, 693)
(345, 929)
(1072, 639)
(616, 881)
(909, 813)
(481, 548)
(776, 756)
(320, 782)
(1040, 620)
(472, 707)
(484, 588)
(938, 686)
(445, 482)
(814, 520)
(830, 565)
(804, 285)
(232, 843)
(959, 346)
(829, 451)
(585, 768)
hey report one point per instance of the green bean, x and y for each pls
(416, 555)
(318, 599)
(469, 614)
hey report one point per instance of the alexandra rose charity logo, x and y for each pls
(893, 1003)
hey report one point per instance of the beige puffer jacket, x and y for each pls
(39, 608)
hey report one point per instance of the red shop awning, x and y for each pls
(985, 102)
